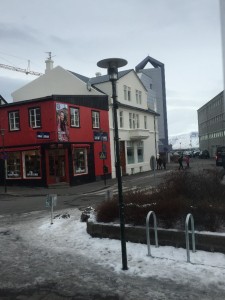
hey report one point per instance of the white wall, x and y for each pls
(57, 81)
(131, 80)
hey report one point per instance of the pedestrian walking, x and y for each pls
(180, 161)
(164, 163)
(187, 160)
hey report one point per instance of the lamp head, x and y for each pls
(112, 65)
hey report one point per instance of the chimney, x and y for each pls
(49, 63)
(97, 74)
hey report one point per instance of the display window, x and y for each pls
(13, 165)
(31, 164)
(80, 161)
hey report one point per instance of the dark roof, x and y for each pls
(99, 79)
(92, 101)
(81, 77)
(2, 100)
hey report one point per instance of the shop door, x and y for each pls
(56, 166)
(122, 157)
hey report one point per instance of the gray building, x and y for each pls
(211, 124)
(154, 81)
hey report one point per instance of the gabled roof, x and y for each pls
(81, 77)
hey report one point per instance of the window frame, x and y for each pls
(73, 117)
(95, 121)
(35, 117)
(14, 127)
(75, 173)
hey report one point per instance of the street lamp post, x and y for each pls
(4, 157)
(112, 65)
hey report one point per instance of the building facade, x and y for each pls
(211, 124)
(155, 84)
(55, 139)
(138, 131)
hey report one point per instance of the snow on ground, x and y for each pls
(69, 236)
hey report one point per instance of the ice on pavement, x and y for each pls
(68, 236)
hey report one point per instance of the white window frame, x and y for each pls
(74, 117)
(14, 120)
(121, 119)
(95, 119)
(35, 117)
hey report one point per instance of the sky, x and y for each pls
(184, 35)
(64, 252)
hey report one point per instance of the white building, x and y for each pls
(137, 123)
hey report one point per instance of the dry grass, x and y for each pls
(181, 193)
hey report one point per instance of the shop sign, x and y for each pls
(100, 136)
(43, 135)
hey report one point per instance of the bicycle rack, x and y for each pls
(147, 231)
(189, 216)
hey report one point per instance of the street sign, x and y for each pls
(51, 200)
(102, 155)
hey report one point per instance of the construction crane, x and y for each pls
(26, 71)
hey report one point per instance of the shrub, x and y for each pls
(201, 194)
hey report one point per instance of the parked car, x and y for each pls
(220, 154)
(196, 153)
(204, 154)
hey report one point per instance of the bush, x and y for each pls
(201, 194)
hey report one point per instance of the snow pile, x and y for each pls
(184, 141)
(68, 235)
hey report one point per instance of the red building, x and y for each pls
(55, 139)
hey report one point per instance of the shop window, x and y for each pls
(140, 152)
(80, 161)
(130, 152)
(32, 163)
(13, 167)
(35, 117)
(74, 117)
(14, 120)
(95, 119)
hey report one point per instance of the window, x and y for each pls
(125, 92)
(32, 163)
(74, 117)
(13, 168)
(145, 122)
(95, 119)
(134, 121)
(14, 120)
(138, 97)
(140, 151)
(130, 120)
(35, 117)
(80, 161)
(129, 94)
(137, 121)
(130, 152)
(150, 86)
(121, 119)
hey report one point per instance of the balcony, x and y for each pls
(139, 134)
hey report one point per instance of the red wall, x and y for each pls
(27, 135)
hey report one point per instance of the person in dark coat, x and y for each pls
(180, 161)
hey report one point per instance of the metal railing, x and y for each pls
(148, 233)
(188, 218)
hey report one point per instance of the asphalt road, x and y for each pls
(23, 199)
